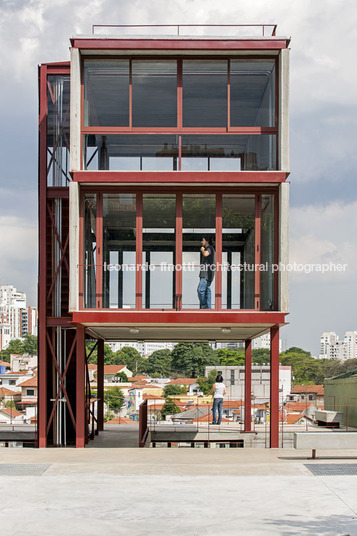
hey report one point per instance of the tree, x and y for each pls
(131, 358)
(174, 389)
(108, 353)
(190, 359)
(207, 383)
(114, 398)
(169, 408)
(15, 346)
(123, 377)
(30, 344)
(229, 357)
(159, 363)
(260, 356)
(10, 404)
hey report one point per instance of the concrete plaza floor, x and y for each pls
(137, 492)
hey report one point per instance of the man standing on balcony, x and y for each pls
(207, 270)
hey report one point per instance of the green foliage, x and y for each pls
(109, 417)
(114, 398)
(159, 364)
(190, 359)
(10, 404)
(228, 357)
(30, 344)
(17, 346)
(131, 358)
(174, 389)
(108, 354)
(123, 377)
(207, 383)
(260, 356)
(169, 408)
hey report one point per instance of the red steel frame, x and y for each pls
(139, 182)
(218, 192)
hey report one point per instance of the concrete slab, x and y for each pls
(173, 492)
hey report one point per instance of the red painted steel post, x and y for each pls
(80, 389)
(218, 252)
(42, 343)
(274, 387)
(100, 385)
(248, 387)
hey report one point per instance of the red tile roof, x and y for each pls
(233, 403)
(297, 407)
(182, 381)
(147, 396)
(7, 392)
(31, 382)
(113, 369)
(4, 364)
(11, 411)
(312, 389)
(293, 418)
(139, 379)
(92, 366)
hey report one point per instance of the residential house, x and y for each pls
(311, 393)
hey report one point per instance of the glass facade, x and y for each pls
(204, 90)
(238, 251)
(154, 93)
(106, 93)
(159, 246)
(190, 115)
(119, 252)
(114, 253)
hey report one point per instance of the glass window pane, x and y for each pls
(204, 93)
(119, 250)
(106, 93)
(238, 251)
(154, 93)
(131, 153)
(89, 250)
(199, 221)
(58, 132)
(252, 93)
(159, 243)
(228, 153)
(267, 253)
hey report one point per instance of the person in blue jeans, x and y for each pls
(218, 390)
(207, 271)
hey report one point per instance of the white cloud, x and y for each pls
(323, 235)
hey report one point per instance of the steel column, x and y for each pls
(248, 386)
(274, 387)
(80, 389)
(100, 385)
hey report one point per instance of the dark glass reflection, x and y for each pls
(252, 93)
(131, 153)
(228, 153)
(90, 251)
(238, 251)
(204, 88)
(154, 93)
(58, 134)
(119, 250)
(106, 93)
(159, 243)
(267, 253)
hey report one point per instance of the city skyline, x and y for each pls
(323, 214)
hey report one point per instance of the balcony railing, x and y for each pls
(206, 30)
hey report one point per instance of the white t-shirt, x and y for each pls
(219, 388)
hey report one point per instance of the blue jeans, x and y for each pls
(204, 293)
(217, 404)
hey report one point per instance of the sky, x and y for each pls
(323, 152)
